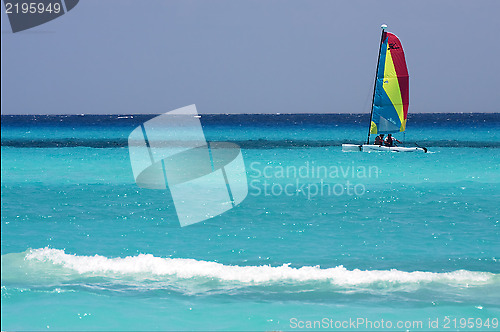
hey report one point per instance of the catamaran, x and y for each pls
(390, 96)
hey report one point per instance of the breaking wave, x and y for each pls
(149, 266)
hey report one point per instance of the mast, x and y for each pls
(383, 26)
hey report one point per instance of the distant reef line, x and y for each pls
(245, 144)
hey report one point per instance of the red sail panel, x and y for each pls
(398, 58)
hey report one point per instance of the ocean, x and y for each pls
(324, 240)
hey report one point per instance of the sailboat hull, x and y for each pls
(379, 148)
(351, 148)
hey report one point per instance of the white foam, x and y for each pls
(191, 268)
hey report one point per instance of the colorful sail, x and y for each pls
(391, 97)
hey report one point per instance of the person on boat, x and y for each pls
(379, 140)
(389, 141)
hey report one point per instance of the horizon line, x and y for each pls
(278, 113)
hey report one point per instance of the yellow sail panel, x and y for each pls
(391, 86)
(403, 125)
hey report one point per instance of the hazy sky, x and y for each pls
(121, 56)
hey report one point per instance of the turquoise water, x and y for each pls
(416, 239)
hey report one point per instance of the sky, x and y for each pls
(225, 56)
